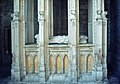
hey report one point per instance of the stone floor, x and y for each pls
(6, 81)
(4, 74)
(5, 69)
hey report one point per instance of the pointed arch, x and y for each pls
(51, 63)
(36, 69)
(82, 63)
(58, 64)
(65, 64)
(29, 64)
(89, 63)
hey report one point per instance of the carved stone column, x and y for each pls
(15, 71)
(104, 40)
(41, 43)
(104, 45)
(72, 33)
(18, 41)
(98, 40)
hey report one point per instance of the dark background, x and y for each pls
(111, 6)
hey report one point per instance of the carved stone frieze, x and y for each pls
(31, 58)
(58, 62)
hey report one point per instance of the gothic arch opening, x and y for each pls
(29, 64)
(82, 64)
(65, 64)
(36, 67)
(89, 63)
(51, 63)
(58, 64)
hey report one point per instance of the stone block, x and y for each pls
(99, 75)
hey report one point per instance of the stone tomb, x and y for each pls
(69, 58)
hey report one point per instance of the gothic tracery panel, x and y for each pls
(31, 60)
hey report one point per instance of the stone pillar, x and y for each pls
(104, 41)
(15, 71)
(18, 41)
(41, 43)
(72, 34)
(98, 30)
(104, 45)
(98, 40)
(22, 39)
